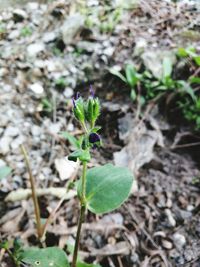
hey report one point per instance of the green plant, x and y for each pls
(94, 186)
(191, 111)
(131, 78)
(47, 106)
(110, 20)
(61, 83)
(145, 87)
(99, 190)
(57, 52)
(26, 31)
(189, 52)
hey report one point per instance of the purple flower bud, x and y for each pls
(94, 138)
(74, 103)
(91, 91)
(77, 95)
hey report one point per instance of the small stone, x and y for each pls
(49, 37)
(170, 218)
(19, 15)
(40, 63)
(134, 258)
(70, 127)
(140, 45)
(34, 49)
(2, 163)
(17, 142)
(3, 72)
(109, 51)
(11, 131)
(68, 92)
(190, 208)
(88, 46)
(36, 130)
(32, 6)
(116, 218)
(167, 244)
(65, 168)
(5, 144)
(14, 35)
(179, 240)
(37, 88)
(71, 27)
(54, 128)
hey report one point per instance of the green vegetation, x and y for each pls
(145, 87)
(26, 31)
(61, 83)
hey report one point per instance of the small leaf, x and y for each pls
(182, 52)
(193, 79)
(133, 94)
(82, 155)
(45, 257)
(167, 67)
(118, 74)
(131, 75)
(4, 244)
(185, 87)
(95, 129)
(73, 140)
(197, 60)
(4, 171)
(83, 264)
(107, 187)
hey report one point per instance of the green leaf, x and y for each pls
(118, 74)
(73, 140)
(4, 171)
(82, 155)
(133, 95)
(185, 87)
(197, 60)
(182, 52)
(167, 67)
(83, 264)
(107, 187)
(4, 244)
(45, 257)
(95, 129)
(131, 75)
(193, 79)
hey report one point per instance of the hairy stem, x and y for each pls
(83, 183)
(82, 214)
(34, 195)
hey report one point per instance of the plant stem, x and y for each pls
(76, 247)
(84, 127)
(16, 262)
(34, 195)
(82, 214)
(83, 183)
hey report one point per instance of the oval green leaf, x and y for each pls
(107, 187)
(45, 257)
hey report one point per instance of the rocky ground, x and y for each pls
(49, 52)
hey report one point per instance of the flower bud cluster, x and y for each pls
(87, 113)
